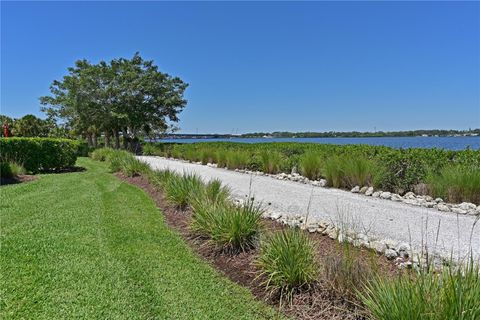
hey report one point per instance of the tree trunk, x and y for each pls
(125, 138)
(107, 139)
(94, 140)
(117, 139)
(89, 140)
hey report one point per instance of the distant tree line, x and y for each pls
(355, 134)
(121, 100)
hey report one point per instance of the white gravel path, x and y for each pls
(384, 219)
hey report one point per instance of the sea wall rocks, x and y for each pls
(409, 198)
(401, 253)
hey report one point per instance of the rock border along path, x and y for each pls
(387, 226)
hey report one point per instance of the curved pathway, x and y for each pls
(444, 233)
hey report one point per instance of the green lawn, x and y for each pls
(86, 245)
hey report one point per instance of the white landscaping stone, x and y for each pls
(438, 200)
(396, 197)
(369, 191)
(385, 195)
(458, 210)
(323, 182)
(363, 190)
(355, 189)
(275, 215)
(378, 246)
(376, 194)
(411, 201)
(409, 195)
(391, 254)
(442, 207)
(467, 206)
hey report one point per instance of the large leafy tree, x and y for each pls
(130, 97)
(31, 126)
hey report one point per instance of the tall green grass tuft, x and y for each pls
(271, 162)
(287, 261)
(215, 192)
(221, 158)
(230, 227)
(116, 159)
(160, 179)
(237, 159)
(349, 171)
(334, 172)
(311, 165)
(121, 161)
(101, 154)
(10, 169)
(450, 294)
(150, 149)
(358, 171)
(207, 156)
(456, 184)
(346, 273)
(182, 190)
(132, 167)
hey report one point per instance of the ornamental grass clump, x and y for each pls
(358, 171)
(101, 154)
(456, 184)
(148, 149)
(116, 159)
(221, 158)
(182, 190)
(453, 293)
(311, 165)
(349, 171)
(232, 228)
(333, 172)
(215, 192)
(131, 167)
(346, 273)
(207, 156)
(271, 162)
(160, 179)
(10, 169)
(237, 159)
(287, 262)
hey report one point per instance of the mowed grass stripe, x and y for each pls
(86, 245)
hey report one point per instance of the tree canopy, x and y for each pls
(124, 96)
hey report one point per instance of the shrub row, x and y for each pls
(395, 170)
(40, 154)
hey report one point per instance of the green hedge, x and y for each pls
(40, 154)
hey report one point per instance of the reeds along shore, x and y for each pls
(451, 175)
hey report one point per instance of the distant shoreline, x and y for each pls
(444, 142)
(331, 134)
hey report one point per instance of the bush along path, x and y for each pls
(392, 228)
(307, 275)
(87, 245)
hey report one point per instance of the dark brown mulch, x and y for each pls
(65, 170)
(321, 302)
(18, 179)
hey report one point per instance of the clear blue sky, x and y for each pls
(265, 66)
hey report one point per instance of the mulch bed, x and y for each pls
(321, 302)
(18, 179)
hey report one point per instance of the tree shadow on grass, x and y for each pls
(30, 177)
